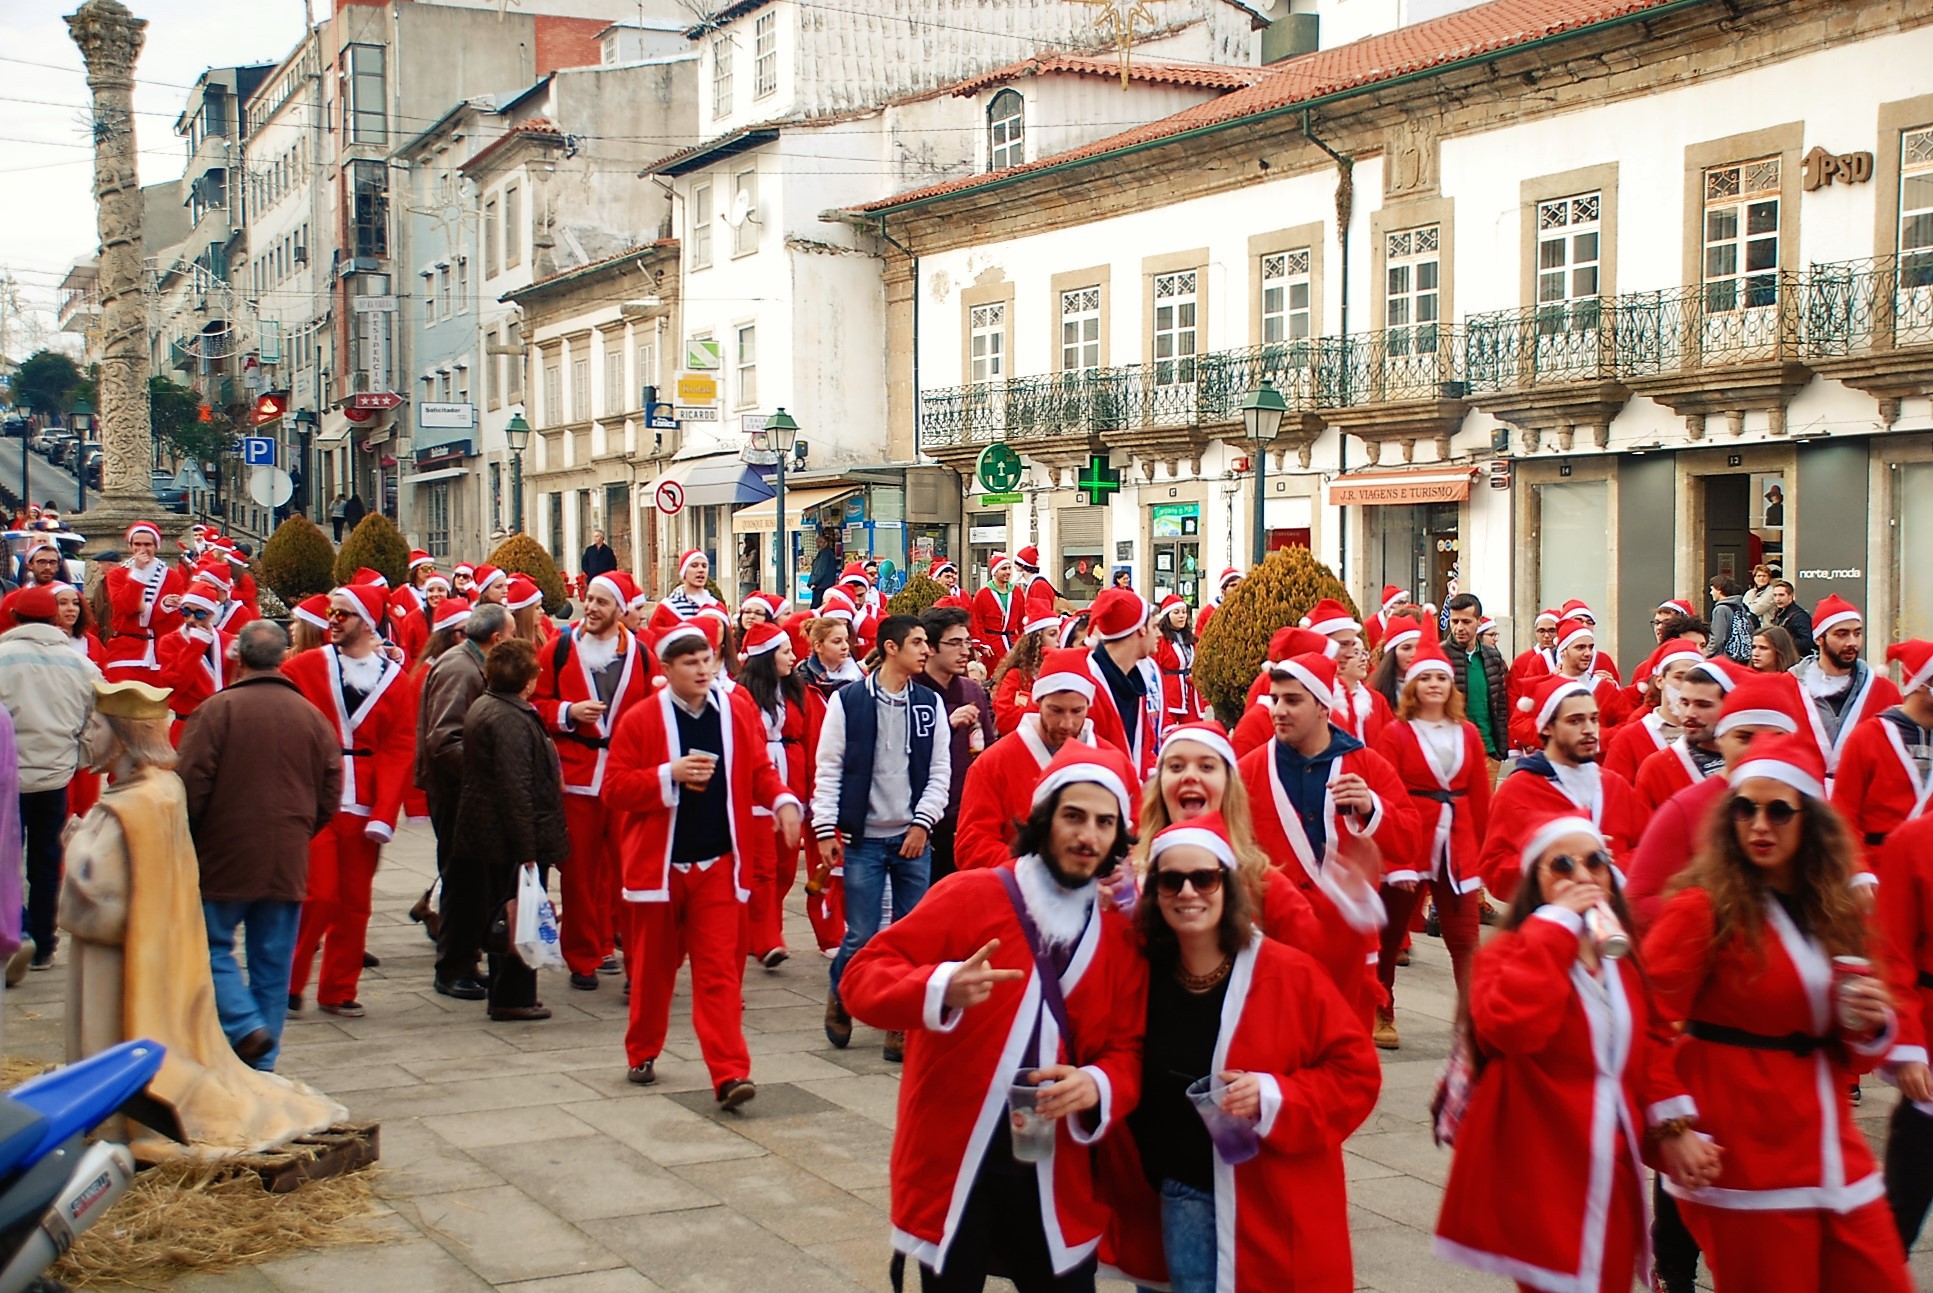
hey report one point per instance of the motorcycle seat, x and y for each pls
(77, 1098)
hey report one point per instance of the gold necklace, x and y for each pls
(1203, 982)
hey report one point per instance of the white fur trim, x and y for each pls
(676, 633)
(1191, 837)
(1830, 621)
(1326, 627)
(1552, 831)
(1755, 718)
(1322, 693)
(1203, 737)
(1079, 773)
(609, 585)
(1420, 667)
(1780, 771)
(935, 1014)
(1588, 631)
(1557, 699)
(1049, 683)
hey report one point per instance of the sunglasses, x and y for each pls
(1746, 811)
(1205, 882)
(337, 616)
(1565, 864)
(193, 613)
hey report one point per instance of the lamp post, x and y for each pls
(1262, 414)
(81, 415)
(781, 429)
(517, 433)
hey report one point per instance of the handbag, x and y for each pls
(1456, 1083)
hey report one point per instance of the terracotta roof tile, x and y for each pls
(1206, 75)
(1483, 29)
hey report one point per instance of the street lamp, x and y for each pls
(518, 435)
(1262, 414)
(781, 429)
(82, 414)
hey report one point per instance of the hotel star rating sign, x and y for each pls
(1099, 480)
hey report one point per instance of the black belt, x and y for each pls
(366, 754)
(1874, 839)
(1440, 796)
(1800, 1044)
(595, 742)
(1174, 673)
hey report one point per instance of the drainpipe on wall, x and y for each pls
(1345, 212)
(907, 252)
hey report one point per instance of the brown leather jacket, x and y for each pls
(455, 681)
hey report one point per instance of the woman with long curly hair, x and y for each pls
(1760, 952)
(1012, 683)
(1175, 657)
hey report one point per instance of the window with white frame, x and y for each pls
(699, 232)
(443, 291)
(765, 55)
(1006, 130)
(516, 357)
(461, 374)
(746, 393)
(1916, 208)
(1412, 290)
(554, 393)
(429, 296)
(490, 238)
(1741, 236)
(513, 230)
(1568, 246)
(493, 370)
(721, 77)
(1080, 330)
(987, 342)
(614, 401)
(1285, 296)
(581, 388)
(647, 366)
(1175, 303)
(745, 198)
(446, 385)
(462, 284)
(367, 113)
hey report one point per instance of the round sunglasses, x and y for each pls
(1565, 864)
(1204, 881)
(1746, 811)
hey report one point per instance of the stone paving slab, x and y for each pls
(519, 1158)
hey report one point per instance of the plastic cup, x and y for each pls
(1236, 1140)
(1033, 1135)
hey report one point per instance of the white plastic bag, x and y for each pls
(535, 935)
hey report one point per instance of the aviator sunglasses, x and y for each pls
(1205, 882)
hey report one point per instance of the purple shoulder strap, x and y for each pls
(1044, 970)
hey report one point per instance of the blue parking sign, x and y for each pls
(258, 451)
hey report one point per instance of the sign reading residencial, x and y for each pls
(697, 388)
(433, 416)
(998, 468)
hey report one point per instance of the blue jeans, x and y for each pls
(260, 1000)
(870, 864)
(1188, 1237)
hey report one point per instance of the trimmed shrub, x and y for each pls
(526, 556)
(917, 597)
(1277, 593)
(298, 561)
(378, 544)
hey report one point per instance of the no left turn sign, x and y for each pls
(670, 497)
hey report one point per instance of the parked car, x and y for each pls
(15, 425)
(165, 493)
(43, 440)
(58, 441)
(62, 453)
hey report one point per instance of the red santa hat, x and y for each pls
(761, 638)
(313, 610)
(463, 568)
(614, 584)
(688, 556)
(418, 557)
(1064, 669)
(365, 599)
(1726, 673)
(38, 546)
(1393, 597)
(522, 592)
(1678, 606)
(485, 576)
(952, 602)
(678, 633)
(1207, 832)
(1208, 735)
(1039, 612)
(1329, 617)
(143, 527)
(1545, 619)
(1488, 625)
(1168, 603)
(1548, 695)
(1232, 575)
(854, 573)
(1429, 658)
(1792, 760)
(1577, 608)
(1072, 628)
(1916, 664)
(437, 579)
(1674, 649)
(1100, 765)
(1548, 829)
(712, 622)
(214, 570)
(1315, 672)
(996, 561)
(837, 606)
(1572, 630)
(794, 626)
(1294, 640)
(34, 602)
(764, 601)
(1117, 613)
(1833, 609)
(939, 567)
(365, 575)
(1762, 700)
(451, 612)
(1411, 631)
(203, 593)
(1028, 559)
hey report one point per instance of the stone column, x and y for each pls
(110, 40)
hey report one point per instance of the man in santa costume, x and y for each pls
(1667, 612)
(586, 681)
(1333, 815)
(1657, 727)
(1601, 661)
(691, 593)
(1694, 755)
(1906, 919)
(1377, 626)
(686, 768)
(143, 594)
(1886, 765)
(962, 974)
(1843, 690)
(1126, 709)
(370, 700)
(1256, 727)
(197, 660)
(1576, 651)
(1562, 777)
(1539, 660)
(1012, 695)
(1028, 561)
(997, 611)
(944, 573)
(1230, 580)
(1003, 777)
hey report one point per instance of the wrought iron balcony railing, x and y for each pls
(1858, 306)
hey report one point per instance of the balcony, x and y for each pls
(1869, 324)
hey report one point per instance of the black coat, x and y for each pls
(512, 808)
(599, 559)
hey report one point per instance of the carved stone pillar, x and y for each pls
(110, 39)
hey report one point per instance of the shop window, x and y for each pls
(1082, 569)
(1915, 496)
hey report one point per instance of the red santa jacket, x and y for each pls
(1531, 793)
(1878, 788)
(1282, 1216)
(1363, 713)
(1634, 742)
(1905, 915)
(1254, 729)
(998, 789)
(995, 627)
(1671, 839)
(637, 782)
(562, 680)
(1578, 1065)
(792, 743)
(1783, 1118)
(1011, 699)
(378, 740)
(193, 668)
(1110, 724)
(1348, 913)
(1180, 702)
(138, 619)
(959, 1063)
(1452, 808)
(1610, 713)
(1664, 773)
(1873, 694)
(1525, 670)
(234, 614)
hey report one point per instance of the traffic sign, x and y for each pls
(697, 388)
(258, 451)
(998, 468)
(377, 400)
(270, 486)
(669, 497)
(702, 354)
(190, 477)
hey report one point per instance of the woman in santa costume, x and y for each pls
(143, 593)
(1439, 756)
(1231, 577)
(1775, 1031)
(1652, 729)
(1575, 1091)
(1399, 646)
(411, 613)
(792, 714)
(1377, 627)
(998, 611)
(1883, 782)
(1174, 655)
(197, 660)
(1012, 683)
(1264, 1023)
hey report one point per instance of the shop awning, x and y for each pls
(715, 481)
(762, 518)
(431, 477)
(1386, 488)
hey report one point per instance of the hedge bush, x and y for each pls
(378, 544)
(524, 555)
(1277, 593)
(917, 597)
(298, 561)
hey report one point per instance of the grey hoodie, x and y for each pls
(49, 691)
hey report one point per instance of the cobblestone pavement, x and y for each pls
(517, 1157)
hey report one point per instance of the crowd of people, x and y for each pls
(1137, 962)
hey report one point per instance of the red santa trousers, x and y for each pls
(1807, 1251)
(335, 915)
(704, 920)
(826, 910)
(774, 870)
(589, 884)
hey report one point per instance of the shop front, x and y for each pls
(897, 516)
(708, 490)
(1174, 549)
(1411, 527)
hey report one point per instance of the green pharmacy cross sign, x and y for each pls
(998, 468)
(1099, 480)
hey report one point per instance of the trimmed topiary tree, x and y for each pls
(1276, 594)
(917, 597)
(526, 556)
(378, 544)
(298, 561)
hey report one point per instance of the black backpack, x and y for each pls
(1738, 638)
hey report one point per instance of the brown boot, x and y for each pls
(1385, 1035)
(838, 1022)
